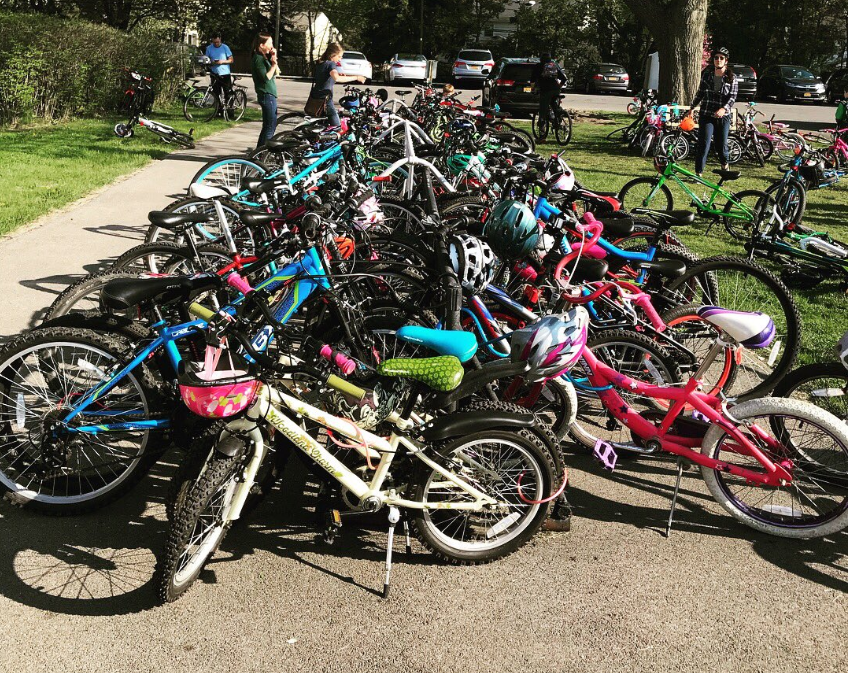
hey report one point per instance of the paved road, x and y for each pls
(612, 595)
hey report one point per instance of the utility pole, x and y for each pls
(421, 27)
(277, 28)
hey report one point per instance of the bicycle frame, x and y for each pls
(605, 380)
(267, 406)
(672, 172)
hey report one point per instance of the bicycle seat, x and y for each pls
(405, 92)
(751, 329)
(286, 144)
(262, 185)
(462, 345)
(727, 175)
(443, 373)
(670, 268)
(588, 269)
(203, 191)
(123, 293)
(253, 219)
(616, 226)
(167, 220)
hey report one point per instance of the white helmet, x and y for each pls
(551, 345)
(473, 261)
(562, 176)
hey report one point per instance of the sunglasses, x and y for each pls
(719, 56)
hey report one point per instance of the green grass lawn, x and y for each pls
(605, 166)
(46, 166)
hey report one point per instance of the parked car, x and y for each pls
(511, 85)
(746, 77)
(354, 63)
(409, 67)
(602, 78)
(472, 64)
(836, 85)
(790, 82)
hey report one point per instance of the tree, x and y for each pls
(678, 28)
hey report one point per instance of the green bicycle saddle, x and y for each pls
(443, 373)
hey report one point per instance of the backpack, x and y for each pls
(550, 72)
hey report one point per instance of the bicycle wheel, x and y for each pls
(736, 220)
(205, 233)
(229, 172)
(824, 384)
(739, 285)
(678, 144)
(83, 296)
(236, 106)
(539, 127)
(766, 147)
(735, 150)
(289, 121)
(198, 527)
(528, 138)
(562, 128)
(182, 139)
(45, 464)
(811, 443)
(785, 144)
(647, 142)
(200, 105)
(790, 197)
(632, 109)
(171, 258)
(629, 353)
(643, 234)
(643, 193)
(496, 462)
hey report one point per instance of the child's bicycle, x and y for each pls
(138, 101)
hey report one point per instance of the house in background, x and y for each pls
(316, 31)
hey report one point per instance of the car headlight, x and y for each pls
(820, 88)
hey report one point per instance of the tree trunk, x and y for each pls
(678, 29)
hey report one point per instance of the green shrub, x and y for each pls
(55, 68)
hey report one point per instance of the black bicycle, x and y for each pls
(558, 119)
(202, 103)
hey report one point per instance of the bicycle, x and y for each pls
(558, 118)
(717, 203)
(138, 99)
(205, 105)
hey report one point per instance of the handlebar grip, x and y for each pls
(236, 281)
(345, 387)
(200, 311)
(342, 361)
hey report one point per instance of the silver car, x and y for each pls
(354, 63)
(409, 67)
(473, 64)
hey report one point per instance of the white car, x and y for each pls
(473, 64)
(406, 67)
(354, 63)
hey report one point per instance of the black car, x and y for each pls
(511, 85)
(602, 78)
(790, 82)
(836, 85)
(746, 77)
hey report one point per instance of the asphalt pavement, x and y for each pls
(612, 595)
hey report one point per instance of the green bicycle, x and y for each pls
(737, 212)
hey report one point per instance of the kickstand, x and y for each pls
(394, 517)
(406, 533)
(674, 498)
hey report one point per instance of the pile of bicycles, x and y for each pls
(425, 322)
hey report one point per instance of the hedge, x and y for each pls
(56, 68)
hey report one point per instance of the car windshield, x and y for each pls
(411, 57)
(354, 56)
(743, 70)
(796, 73)
(475, 55)
(610, 69)
(519, 72)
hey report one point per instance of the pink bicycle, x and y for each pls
(777, 465)
(836, 153)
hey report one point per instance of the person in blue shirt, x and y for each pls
(221, 57)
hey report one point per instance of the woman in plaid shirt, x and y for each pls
(717, 95)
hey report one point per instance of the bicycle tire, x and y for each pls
(664, 194)
(287, 122)
(790, 198)
(183, 140)
(765, 515)
(741, 230)
(236, 106)
(228, 172)
(178, 259)
(86, 287)
(198, 99)
(83, 355)
(824, 384)
(735, 150)
(538, 481)
(192, 204)
(563, 128)
(738, 284)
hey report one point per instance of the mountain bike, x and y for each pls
(559, 119)
(203, 104)
(736, 211)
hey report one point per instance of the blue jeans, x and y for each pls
(332, 113)
(709, 126)
(269, 117)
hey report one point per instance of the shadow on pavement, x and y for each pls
(135, 233)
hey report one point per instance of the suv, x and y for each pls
(837, 85)
(746, 78)
(602, 77)
(790, 82)
(511, 85)
(472, 64)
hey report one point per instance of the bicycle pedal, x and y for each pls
(332, 525)
(604, 452)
